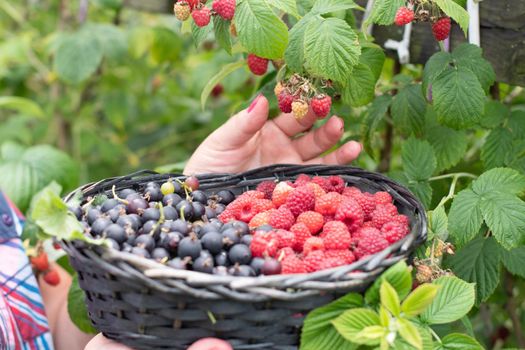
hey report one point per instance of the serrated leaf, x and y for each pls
(422, 190)
(325, 6)
(375, 114)
(167, 45)
(454, 300)
(360, 86)
(503, 180)
(438, 224)
(259, 29)
(22, 105)
(287, 6)
(331, 49)
(514, 261)
(374, 58)
(456, 12)
(199, 34)
(419, 299)
(434, 67)
(496, 148)
(516, 124)
(372, 332)
(495, 113)
(409, 109)
(457, 341)
(419, 162)
(410, 333)
(294, 54)
(389, 298)
(318, 331)
(459, 99)
(221, 28)
(398, 276)
(505, 217)
(449, 145)
(76, 307)
(464, 218)
(78, 57)
(353, 321)
(478, 262)
(224, 72)
(470, 56)
(384, 11)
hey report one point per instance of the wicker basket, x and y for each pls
(147, 305)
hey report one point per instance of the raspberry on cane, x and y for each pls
(441, 29)
(224, 8)
(404, 16)
(182, 10)
(285, 100)
(299, 109)
(201, 16)
(321, 105)
(257, 65)
(278, 89)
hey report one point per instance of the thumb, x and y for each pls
(241, 127)
(210, 344)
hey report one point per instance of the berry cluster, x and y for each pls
(425, 11)
(298, 94)
(316, 223)
(40, 264)
(200, 13)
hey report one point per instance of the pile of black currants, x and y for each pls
(175, 224)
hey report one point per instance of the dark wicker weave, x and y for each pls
(147, 305)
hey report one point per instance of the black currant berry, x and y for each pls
(206, 254)
(170, 213)
(77, 211)
(199, 196)
(126, 192)
(151, 214)
(115, 213)
(178, 263)
(240, 254)
(92, 215)
(225, 197)
(137, 205)
(151, 228)
(153, 184)
(189, 246)
(219, 208)
(145, 241)
(241, 227)
(247, 239)
(221, 259)
(210, 227)
(171, 199)
(231, 237)
(181, 226)
(100, 225)
(109, 204)
(133, 196)
(241, 271)
(271, 267)
(153, 193)
(203, 264)
(127, 222)
(186, 209)
(210, 213)
(212, 241)
(199, 210)
(127, 248)
(140, 252)
(257, 264)
(160, 254)
(116, 232)
(220, 271)
(171, 241)
(112, 243)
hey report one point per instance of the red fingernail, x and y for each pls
(254, 103)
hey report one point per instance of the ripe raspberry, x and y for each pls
(285, 101)
(364, 231)
(336, 184)
(321, 105)
(441, 29)
(195, 3)
(318, 190)
(383, 197)
(285, 238)
(260, 219)
(252, 195)
(327, 204)
(284, 253)
(336, 236)
(404, 16)
(40, 262)
(52, 277)
(302, 179)
(367, 203)
(292, 264)
(299, 109)
(382, 214)
(351, 191)
(280, 193)
(331, 262)
(343, 254)
(424, 274)
(182, 10)
(402, 219)
(227, 216)
(201, 16)
(267, 188)
(312, 244)
(313, 220)
(261, 205)
(224, 8)
(279, 87)
(249, 208)
(257, 65)
(351, 214)
(394, 231)
(321, 181)
(300, 200)
(301, 233)
(282, 218)
(328, 218)
(368, 224)
(313, 260)
(369, 243)
(264, 244)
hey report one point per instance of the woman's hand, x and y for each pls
(102, 343)
(249, 140)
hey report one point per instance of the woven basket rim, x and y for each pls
(276, 286)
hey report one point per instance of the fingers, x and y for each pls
(291, 126)
(210, 344)
(343, 155)
(243, 126)
(101, 342)
(320, 140)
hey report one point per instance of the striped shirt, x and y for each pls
(23, 323)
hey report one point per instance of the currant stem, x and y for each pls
(117, 197)
(452, 175)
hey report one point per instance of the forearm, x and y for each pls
(66, 335)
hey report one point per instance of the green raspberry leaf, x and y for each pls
(496, 148)
(502, 180)
(495, 113)
(398, 276)
(434, 67)
(419, 299)
(457, 341)
(516, 124)
(455, 11)
(465, 218)
(353, 321)
(514, 261)
(449, 145)
(374, 116)
(325, 6)
(470, 56)
(259, 29)
(360, 87)
(288, 6)
(478, 262)
(222, 33)
(294, 54)
(437, 224)
(419, 162)
(408, 110)
(374, 57)
(384, 11)
(459, 99)
(331, 49)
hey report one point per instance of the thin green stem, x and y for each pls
(453, 175)
(434, 334)
(442, 46)
(452, 189)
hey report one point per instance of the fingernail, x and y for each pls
(254, 103)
